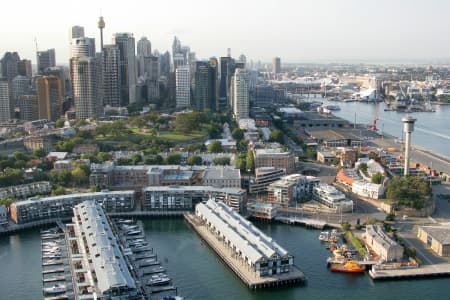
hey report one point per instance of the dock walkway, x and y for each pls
(253, 281)
(435, 270)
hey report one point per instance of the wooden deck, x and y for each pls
(243, 272)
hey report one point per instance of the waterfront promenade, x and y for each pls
(250, 279)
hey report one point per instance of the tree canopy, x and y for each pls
(215, 147)
(410, 191)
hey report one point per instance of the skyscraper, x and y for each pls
(223, 88)
(50, 95)
(111, 75)
(83, 46)
(183, 87)
(205, 93)
(76, 32)
(240, 94)
(45, 59)
(20, 85)
(24, 68)
(9, 64)
(28, 107)
(5, 103)
(86, 82)
(128, 72)
(144, 49)
(276, 65)
(164, 64)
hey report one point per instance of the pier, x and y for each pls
(249, 278)
(436, 270)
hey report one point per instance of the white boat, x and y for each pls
(147, 262)
(134, 232)
(159, 279)
(129, 227)
(125, 221)
(56, 289)
(172, 298)
(324, 236)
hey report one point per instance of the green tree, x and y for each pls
(410, 191)
(80, 175)
(377, 178)
(173, 159)
(39, 153)
(104, 156)
(238, 134)
(185, 123)
(240, 163)
(63, 178)
(215, 147)
(362, 167)
(276, 136)
(194, 160)
(59, 191)
(59, 123)
(136, 158)
(222, 161)
(92, 158)
(95, 189)
(6, 201)
(311, 152)
(250, 161)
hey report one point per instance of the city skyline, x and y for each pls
(305, 31)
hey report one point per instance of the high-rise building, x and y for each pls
(164, 64)
(28, 107)
(223, 99)
(9, 64)
(264, 96)
(205, 92)
(50, 95)
(86, 86)
(128, 72)
(242, 59)
(276, 65)
(111, 75)
(76, 32)
(45, 59)
(183, 87)
(5, 102)
(240, 94)
(83, 46)
(144, 49)
(20, 85)
(24, 68)
(60, 73)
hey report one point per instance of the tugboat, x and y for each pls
(350, 266)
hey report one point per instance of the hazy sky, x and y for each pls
(295, 30)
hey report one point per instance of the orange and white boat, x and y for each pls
(350, 266)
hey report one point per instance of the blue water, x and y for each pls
(432, 129)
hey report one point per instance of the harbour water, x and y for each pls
(200, 274)
(432, 129)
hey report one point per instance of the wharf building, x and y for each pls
(337, 137)
(262, 255)
(186, 197)
(35, 209)
(331, 197)
(292, 187)
(436, 238)
(275, 157)
(98, 266)
(382, 244)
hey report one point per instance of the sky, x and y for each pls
(295, 30)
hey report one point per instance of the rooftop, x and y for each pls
(227, 173)
(439, 233)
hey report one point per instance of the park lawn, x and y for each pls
(179, 137)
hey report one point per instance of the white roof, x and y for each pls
(107, 260)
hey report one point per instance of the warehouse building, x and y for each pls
(437, 238)
(382, 244)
